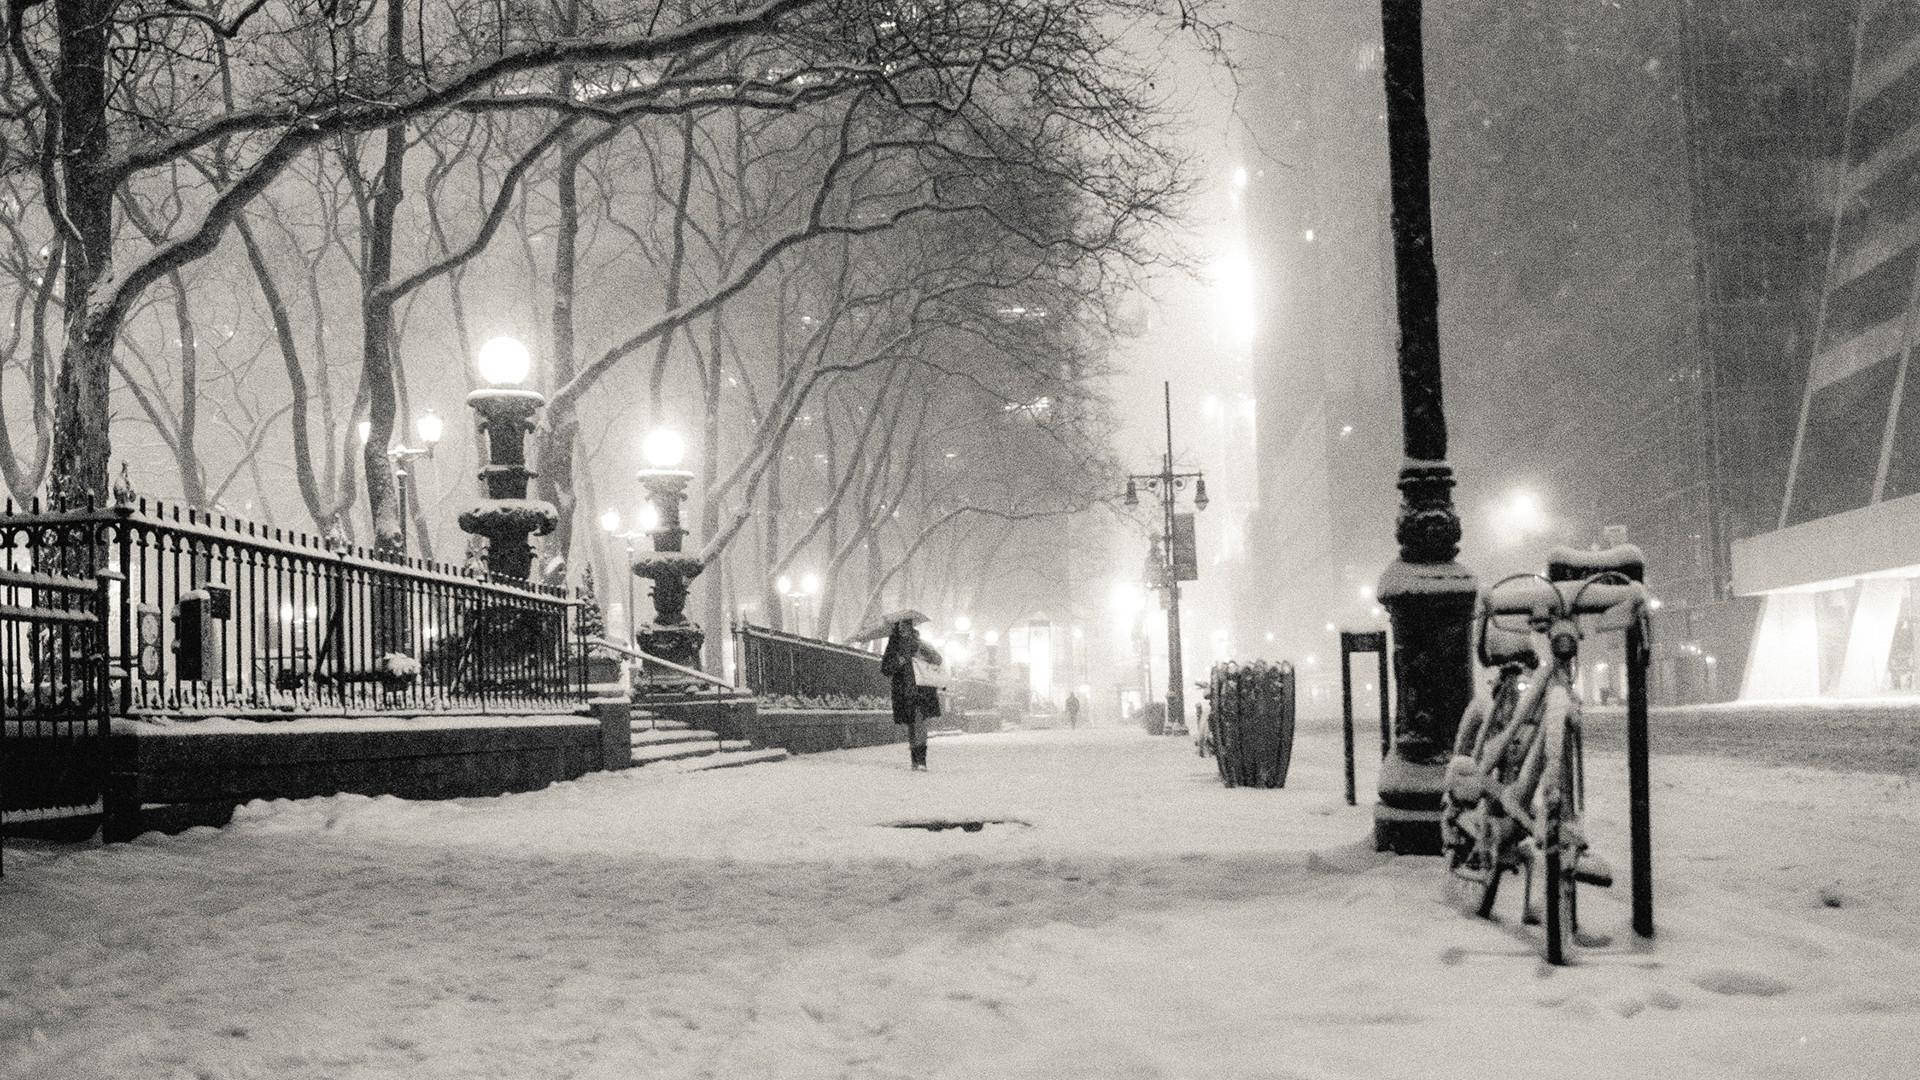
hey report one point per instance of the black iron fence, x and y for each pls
(53, 696)
(773, 662)
(215, 614)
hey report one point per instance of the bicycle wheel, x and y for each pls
(1490, 854)
(1558, 816)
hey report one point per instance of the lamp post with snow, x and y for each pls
(429, 428)
(797, 594)
(504, 515)
(1429, 596)
(1175, 549)
(670, 636)
(610, 524)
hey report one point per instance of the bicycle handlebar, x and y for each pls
(1537, 597)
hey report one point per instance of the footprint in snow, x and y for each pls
(1741, 982)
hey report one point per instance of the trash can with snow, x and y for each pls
(1250, 722)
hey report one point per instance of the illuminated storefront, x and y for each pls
(1839, 600)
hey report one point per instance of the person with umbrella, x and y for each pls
(915, 698)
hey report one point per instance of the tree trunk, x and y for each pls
(82, 442)
(376, 321)
(558, 446)
(713, 601)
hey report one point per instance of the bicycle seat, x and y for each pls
(1501, 646)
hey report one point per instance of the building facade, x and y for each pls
(1835, 578)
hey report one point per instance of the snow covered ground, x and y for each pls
(1144, 922)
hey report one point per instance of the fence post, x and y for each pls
(611, 699)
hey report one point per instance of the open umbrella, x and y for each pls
(887, 622)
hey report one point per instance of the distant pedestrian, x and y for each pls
(1073, 711)
(913, 701)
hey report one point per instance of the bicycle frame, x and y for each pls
(1518, 755)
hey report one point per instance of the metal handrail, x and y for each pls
(642, 654)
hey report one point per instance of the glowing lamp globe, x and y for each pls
(810, 584)
(783, 585)
(963, 624)
(429, 427)
(663, 448)
(503, 361)
(649, 517)
(610, 521)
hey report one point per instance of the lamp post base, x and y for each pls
(676, 643)
(1431, 607)
(1409, 824)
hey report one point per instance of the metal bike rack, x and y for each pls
(1639, 781)
(1362, 641)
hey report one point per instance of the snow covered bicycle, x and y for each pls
(1515, 783)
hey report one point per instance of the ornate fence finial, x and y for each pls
(124, 496)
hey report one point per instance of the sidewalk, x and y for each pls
(1128, 917)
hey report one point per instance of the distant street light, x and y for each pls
(610, 523)
(1164, 564)
(429, 428)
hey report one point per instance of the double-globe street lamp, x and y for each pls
(649, 520)
(798, 593)
(1164, 571)
(429, 428)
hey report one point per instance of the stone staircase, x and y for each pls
(689, 749)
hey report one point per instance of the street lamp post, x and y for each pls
(1428, 596)
(610, 524)
(429, 428)
(797, 594)
(670, 636)
(1168, 484)
(504, 515)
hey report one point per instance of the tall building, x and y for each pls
(1764, 92)
(1836, 576)
(1321, 363)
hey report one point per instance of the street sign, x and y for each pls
(1186, 554)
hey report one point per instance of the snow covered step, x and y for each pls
(736, 744)
(646, 755)
(661, 738)
(731, 759)
(648, 723)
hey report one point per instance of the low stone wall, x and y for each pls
(195, 772)
(808, 731)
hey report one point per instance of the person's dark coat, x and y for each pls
(910, 699)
